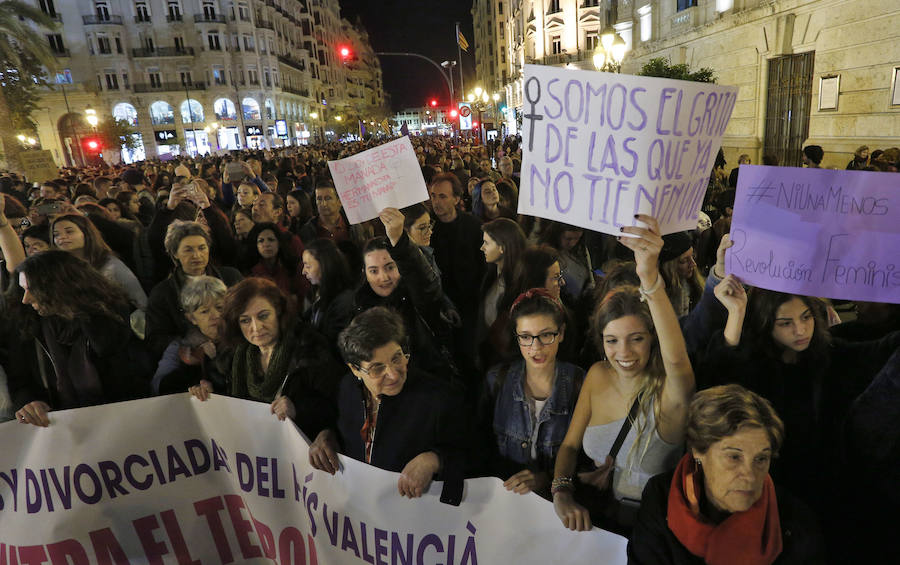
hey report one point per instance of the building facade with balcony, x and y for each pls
(192, 76)
(779, 53)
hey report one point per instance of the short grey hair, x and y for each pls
(180, 229)
(374, 328)
(199, 291)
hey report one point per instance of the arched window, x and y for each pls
(126, 112)
(270, 109)
(225, 109)
(250, 108)
(162, 112)
(192, 113)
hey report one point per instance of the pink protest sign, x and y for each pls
(818, 232)
(385, 176)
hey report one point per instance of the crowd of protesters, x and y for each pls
(627, 379)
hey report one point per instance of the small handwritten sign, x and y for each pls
(385, 176)
(39, 165)
(600, 147)
(817, 232)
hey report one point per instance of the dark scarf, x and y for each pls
(247, 377)
(77, 381)
(752, 537)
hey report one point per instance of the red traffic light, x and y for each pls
(92, 145)
(433, 102)
(474, 124)
(344, 52)
(454, 113)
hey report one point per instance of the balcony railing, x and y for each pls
(163, 52)
(143, 19)
(171, 86)
(209, 19)
(96, 19)
(61, 53)
(299, 65)
(265, 24)
(171, 18)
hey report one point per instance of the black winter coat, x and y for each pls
(653, 543)
(427, 415)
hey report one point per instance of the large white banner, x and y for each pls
(173, 480)
(599, 148)
(385, 176)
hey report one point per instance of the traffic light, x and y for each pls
(433, 102)
(345, 52)
(454, 113)
(92, 145)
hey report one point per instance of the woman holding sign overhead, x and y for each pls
(784, 352)
(631, 412)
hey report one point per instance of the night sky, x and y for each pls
(425, 27)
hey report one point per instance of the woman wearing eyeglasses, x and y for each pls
(527, 404)
(391, 417)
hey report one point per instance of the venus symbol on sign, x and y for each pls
(532, 116)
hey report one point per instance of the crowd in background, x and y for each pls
(625, 378)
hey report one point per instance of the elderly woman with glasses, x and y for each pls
(391, 417)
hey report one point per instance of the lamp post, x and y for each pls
(480, 99)
(214, 129)
(609, 53)
(315, 116)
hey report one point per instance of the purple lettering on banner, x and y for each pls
(818, 232)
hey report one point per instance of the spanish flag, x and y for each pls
(461, 41)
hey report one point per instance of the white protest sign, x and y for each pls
(387, 176)
(599, 148)
(173, 480)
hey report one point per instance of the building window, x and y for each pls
(48, 8)
(174, 9)
(248, 42)
(684, 4)
(553, 7)
(555, 45)
(213, 40)
(125, 82)
(118, 44)
(219, 76)
(112, 81)
(590, 3)
(186, 78)
(644, 13)
(243, 12)
(209, 10)
(148, 43)
(500, 8)
(179, 44)
(155, 79)
(142, 12)
(103, 45)
(252, 76)
(102, 11)
(56, 43)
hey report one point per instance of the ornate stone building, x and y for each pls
(810, 71)
(197, 75)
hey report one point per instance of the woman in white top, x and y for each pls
(645, 361)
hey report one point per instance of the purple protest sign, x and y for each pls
(817, 232)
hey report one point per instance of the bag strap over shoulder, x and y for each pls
(626, 427)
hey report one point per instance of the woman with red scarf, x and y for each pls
(720, 506)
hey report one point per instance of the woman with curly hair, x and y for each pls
(88, 354)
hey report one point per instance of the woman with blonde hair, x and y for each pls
(631, 411)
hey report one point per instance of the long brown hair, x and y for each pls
(66, 286)
(762, 307)
(96, 251)
(626, 301)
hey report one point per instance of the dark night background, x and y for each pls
(425, 27)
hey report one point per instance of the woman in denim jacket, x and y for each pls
(527, 404)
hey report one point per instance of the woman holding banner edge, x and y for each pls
(646, 368)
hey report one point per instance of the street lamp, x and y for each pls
(480, 99)
(609, 53)
(91, 116)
